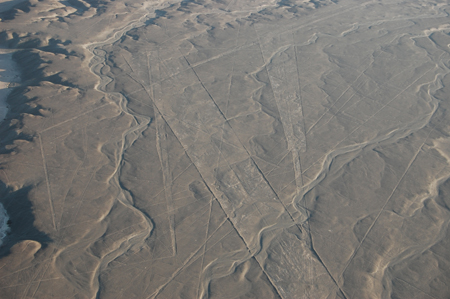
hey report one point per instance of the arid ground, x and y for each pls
(225, 149)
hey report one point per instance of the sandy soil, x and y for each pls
(227, 149)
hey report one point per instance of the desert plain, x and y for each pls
(225, 149)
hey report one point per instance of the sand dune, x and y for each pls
(227, 149)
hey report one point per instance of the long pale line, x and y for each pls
(384, 205)
(52, 210)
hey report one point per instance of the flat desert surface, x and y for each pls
(225, 149)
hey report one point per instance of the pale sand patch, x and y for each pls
(8, 74)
